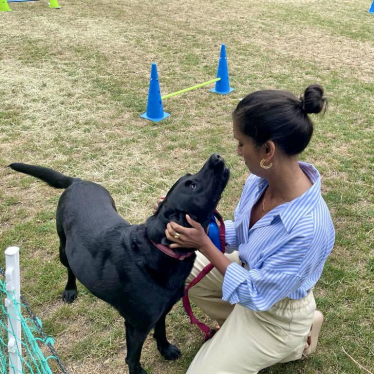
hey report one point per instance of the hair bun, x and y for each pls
(313, 100)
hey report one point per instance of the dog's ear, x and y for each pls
(156, 224)
(179, 218)
(166, 241)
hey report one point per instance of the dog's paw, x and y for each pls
(139, 370)
(170, 352)
(69, 296)
(136, 369)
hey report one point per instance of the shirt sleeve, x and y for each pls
(230, 235)
(271, 280)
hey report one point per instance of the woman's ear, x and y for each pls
(269, 149)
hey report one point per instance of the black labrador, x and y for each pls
(129, 266)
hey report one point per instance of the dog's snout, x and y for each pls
(216, 158)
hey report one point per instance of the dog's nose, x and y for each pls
(216, 158)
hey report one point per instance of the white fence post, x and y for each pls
(12, 280)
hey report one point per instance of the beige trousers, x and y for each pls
(248, 341)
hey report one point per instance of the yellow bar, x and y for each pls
(190, 88)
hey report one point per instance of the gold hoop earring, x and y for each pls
(265, 166)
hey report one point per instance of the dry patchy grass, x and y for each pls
(73, 83)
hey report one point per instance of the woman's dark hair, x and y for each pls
(280, 116)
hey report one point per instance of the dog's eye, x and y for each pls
(191, 185)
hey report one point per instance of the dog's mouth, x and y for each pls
(222, 175)
(222, 183)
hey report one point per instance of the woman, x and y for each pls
(261, 294)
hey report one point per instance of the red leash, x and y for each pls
(208, 332)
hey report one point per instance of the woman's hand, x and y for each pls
(159, 201)
(183, 237)
(195, 237)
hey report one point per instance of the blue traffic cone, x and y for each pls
(223, 85)
(155, 111)
(371, 10)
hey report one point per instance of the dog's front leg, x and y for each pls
(167, 350)
(134, 340)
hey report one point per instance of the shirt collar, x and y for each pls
(290, 213)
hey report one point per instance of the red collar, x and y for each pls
(168, 251)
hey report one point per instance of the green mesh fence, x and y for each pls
(33, 341)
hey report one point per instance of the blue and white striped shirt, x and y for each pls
(285, 250)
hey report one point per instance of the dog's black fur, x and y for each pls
(117, 261)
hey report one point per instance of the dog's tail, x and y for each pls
(52, 177)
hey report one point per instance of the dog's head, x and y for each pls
(196, 195)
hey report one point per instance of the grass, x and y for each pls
(73, 83)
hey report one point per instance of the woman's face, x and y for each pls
(247, 149)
